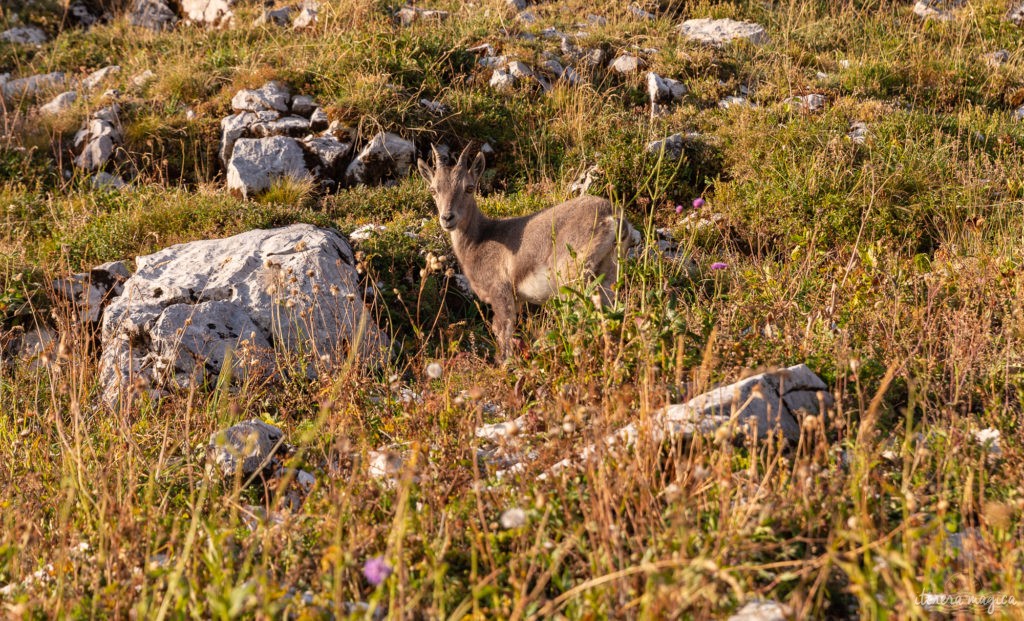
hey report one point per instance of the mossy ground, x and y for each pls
(892, 268)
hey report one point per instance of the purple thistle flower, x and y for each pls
(376, 570)
(698, 203)
(679, 209)
(718, 265)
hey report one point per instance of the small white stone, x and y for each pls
(502, 80)
(97, 77)
(144, 78)
(306, 17)
(988, 437)
(512, 518)
(626, 63)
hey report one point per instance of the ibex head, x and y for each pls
(453, 187)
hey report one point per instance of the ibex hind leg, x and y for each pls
(608, 273)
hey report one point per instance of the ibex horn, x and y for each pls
(464, 156)
(437, 156)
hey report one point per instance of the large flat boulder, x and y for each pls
(265, 295)
(760, 406)
(722, 31)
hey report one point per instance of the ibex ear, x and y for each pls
(425, 170)
(477, 167)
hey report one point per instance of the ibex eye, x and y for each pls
(470, 188)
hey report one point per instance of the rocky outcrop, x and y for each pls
(274, 135)
(291, 291)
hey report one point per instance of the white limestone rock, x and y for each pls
(502, 80)
(385, 159)
(154, 15)
(663, 92)
(256, 163)
(59, 104)
(759, 406)
(97, 77)
(144, 78)
(937, 10)
(626, 64)
(1016, 14)
(808, 103)
(267, 295)
(292, 125)
(279, 17)
(98, 138)
(303, 105)
(762, 610)
(245, 449)
(209, 12)
(270, 96)
(88, 293)
(32, 86)
(331, 154)
(307, 15)
(408, 15)
(720, 32)
(318, 120)
(24, 35)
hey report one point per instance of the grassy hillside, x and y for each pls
(892, 266)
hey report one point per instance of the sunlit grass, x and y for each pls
(891, 267)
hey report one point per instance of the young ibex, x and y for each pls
(510, 261)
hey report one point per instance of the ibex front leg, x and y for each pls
(505, 310)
